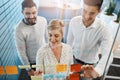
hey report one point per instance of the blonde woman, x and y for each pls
(55, 52)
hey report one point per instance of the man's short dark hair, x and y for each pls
(97, 3)
(28, 3)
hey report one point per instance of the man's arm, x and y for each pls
(21, 47)
(106, 45)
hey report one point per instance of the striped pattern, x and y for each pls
(10, 14)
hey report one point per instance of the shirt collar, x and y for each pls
(92, 26)
(24, 21)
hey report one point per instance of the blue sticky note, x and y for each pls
(46, 76)
(60, 75)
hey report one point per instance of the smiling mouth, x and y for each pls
(32, 20)
(55, 45)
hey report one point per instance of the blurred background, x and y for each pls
(10, 15)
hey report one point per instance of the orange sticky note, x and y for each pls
(61, 67)
(75, 76)
(75, 68)
(11, 70)
(2, 70)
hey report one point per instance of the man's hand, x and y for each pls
(31, 72)
(89, 72)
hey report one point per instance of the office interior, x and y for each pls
(10, 16)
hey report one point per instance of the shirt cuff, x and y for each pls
(99, 71)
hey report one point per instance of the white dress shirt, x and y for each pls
(87, 41)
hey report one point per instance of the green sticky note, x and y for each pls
(24, 66)
(36, 77)
(35, 66)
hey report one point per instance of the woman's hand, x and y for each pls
(89, 72)
(38, 72)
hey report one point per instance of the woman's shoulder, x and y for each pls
(67, 49)
(44, 47)
(66, 46)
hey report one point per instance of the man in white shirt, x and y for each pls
(30, 34)
(86, 35)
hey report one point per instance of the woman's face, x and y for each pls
(55, 37)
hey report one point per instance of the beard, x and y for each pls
(31, 21)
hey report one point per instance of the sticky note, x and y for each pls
(35, 66)
(2, 70)
(60, 75)
(11, 70)
(75, 68)
(61, 67)
(75, 76)
(36, 77)
(24, 66)
(48, 76)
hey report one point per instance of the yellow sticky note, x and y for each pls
(61, 67)
(11, 70)
(36, 77)
(2, 70)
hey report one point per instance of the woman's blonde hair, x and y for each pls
(56, 24)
